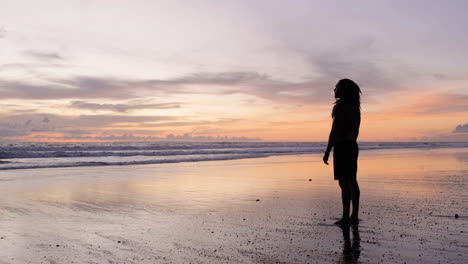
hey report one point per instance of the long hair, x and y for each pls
(350, 96)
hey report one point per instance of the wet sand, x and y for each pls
(261, 210)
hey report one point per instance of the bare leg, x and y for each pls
(346, 199)
(355, 195)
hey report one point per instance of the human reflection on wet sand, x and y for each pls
(351, 248)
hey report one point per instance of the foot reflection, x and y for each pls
(351, 248)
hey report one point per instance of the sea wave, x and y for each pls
(57, 155)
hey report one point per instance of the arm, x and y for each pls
(331, 138)
(331, 142)
(337, 126)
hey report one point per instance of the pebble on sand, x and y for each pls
(456, 216)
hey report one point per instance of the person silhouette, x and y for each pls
(346, 116)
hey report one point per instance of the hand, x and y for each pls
(325, 157)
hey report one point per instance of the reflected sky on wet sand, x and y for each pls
(208, 211)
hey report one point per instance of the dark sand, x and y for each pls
(207, 212)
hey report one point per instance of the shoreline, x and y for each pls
(207, 212)
(247, 156)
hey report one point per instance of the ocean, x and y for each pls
(55, 155)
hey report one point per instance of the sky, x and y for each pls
(90, 70)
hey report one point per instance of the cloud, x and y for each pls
(105, 120)
(334, 66)
(454, 137)
(437, 103)
(6, 132)
(422, 103)
(356, 60)
(213, 78)
(208, 83)
(80, 87)
(104, 137)
(185, 123)
(76, 132)
(25, 124)
(2, 32)
(190, 137)
(123, 108)
(31, 67)
(251, 83)
(43, 56)
(351, 61)
(461, 129)
(39, 126)
(330, 65)
(133, 137)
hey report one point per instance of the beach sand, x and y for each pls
(263, 210)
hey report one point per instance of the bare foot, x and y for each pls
(342, 222)
(354, 220)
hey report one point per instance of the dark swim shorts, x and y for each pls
(345, 156)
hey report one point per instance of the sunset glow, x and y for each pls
(230, 70)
